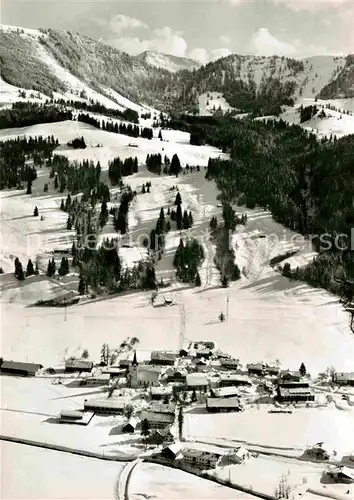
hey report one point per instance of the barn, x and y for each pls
(20, 369)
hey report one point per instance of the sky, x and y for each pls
(200, 29)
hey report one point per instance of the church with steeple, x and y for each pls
(132, 377)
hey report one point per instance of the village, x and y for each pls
(151, 398)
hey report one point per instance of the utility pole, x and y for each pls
(227, 306)
(65, 315)
(183, 326)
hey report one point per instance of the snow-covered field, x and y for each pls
(114, 145)
(308, 427)
(30, 473)
(211, 102)
(164, 483)
(269, 318)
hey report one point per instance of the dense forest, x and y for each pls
(25, 114)
(307, 184)
(20, 157)
(128, 114)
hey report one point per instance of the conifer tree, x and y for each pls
(69, 223)
(179, 218)
(178, 200)
(175, 165)
(82, 286)
(29, 186)
(30, 268)
(35, 212)
(185, 220)
(302, 370)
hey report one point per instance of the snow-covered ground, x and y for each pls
(254, 427)
(164, 483)
(211, 102)
(114, 145)
(30, 473)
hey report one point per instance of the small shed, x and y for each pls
(131, 425)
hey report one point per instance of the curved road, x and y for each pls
(123, 481)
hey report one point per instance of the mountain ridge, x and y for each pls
(46, 60)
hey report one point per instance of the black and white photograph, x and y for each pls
(177, 249)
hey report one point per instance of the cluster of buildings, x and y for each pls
(209, 457)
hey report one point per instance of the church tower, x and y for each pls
(133, 373)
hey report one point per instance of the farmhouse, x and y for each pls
(202, 344)
(224, 392)
(293, 385)
(215, 405)
(256, 369)
(172, 452)
(105, 406)
(288, 376)
(200, 458)
(131, 425)
(229, 363)
(174, 375)
(344, 378)
(114, 371)
(162, 408)
(157, 420)
(163, 358)
(76, 417)
(234, 379)
(160, 392)
(295, 394)
(78, 365)
(197, 381)
(239, 455)
(125, 363)
(342, 474)
(203, 353)
(20, 369)
(200, 365)
(319, 452)
(161, 436)
(101, 379)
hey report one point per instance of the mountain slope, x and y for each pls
(71, 64)
(343, 85)
(167, 61)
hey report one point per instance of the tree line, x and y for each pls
(128, 114)
(121, 128)
(25, 114)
